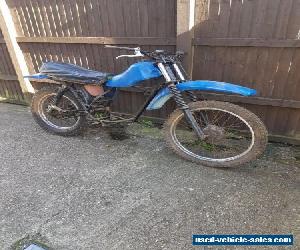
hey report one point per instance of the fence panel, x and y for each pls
(76, 32)
(94, 18)
(256, 44)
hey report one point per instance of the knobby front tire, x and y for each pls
(257, 143)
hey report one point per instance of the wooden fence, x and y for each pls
(253, 43)
(10, 89)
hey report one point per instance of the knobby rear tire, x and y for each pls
(260, 134)
(38, 97)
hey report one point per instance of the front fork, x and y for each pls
(186, 110)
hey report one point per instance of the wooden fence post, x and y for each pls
(185, 25)
(18, 60)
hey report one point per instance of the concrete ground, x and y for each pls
(92, 192)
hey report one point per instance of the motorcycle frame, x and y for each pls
(172, 75)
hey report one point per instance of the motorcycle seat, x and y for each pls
(73, 73)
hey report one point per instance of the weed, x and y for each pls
(207, 146)
(36, 239)
(147, 123)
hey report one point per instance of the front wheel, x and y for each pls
(233, 135)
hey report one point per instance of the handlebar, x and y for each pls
(157, 54)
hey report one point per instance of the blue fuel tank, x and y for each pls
(134, 74)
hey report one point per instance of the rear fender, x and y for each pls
(37, 76)
(164, 95)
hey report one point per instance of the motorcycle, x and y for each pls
(211, 133)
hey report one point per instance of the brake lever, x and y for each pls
(137, 53)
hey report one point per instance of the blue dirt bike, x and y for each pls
(212, 133)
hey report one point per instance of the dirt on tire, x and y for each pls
(259, 129)
(76, 130)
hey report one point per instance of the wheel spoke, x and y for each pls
(224, 135)
(55, 118)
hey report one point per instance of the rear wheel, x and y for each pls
(63, 119)
(234, 135)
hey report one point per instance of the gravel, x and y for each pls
(92, 192)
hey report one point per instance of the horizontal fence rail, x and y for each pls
(8, 77)
(101, 40)
(246, 42)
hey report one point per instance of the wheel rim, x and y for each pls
(62, 123)
(218, 136)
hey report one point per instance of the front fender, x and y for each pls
(164, 95)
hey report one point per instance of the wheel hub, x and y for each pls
(214, 133)
(52, 107)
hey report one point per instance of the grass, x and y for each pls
(36, 239)
(207, 146)
(146, 123)
(98, 115)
